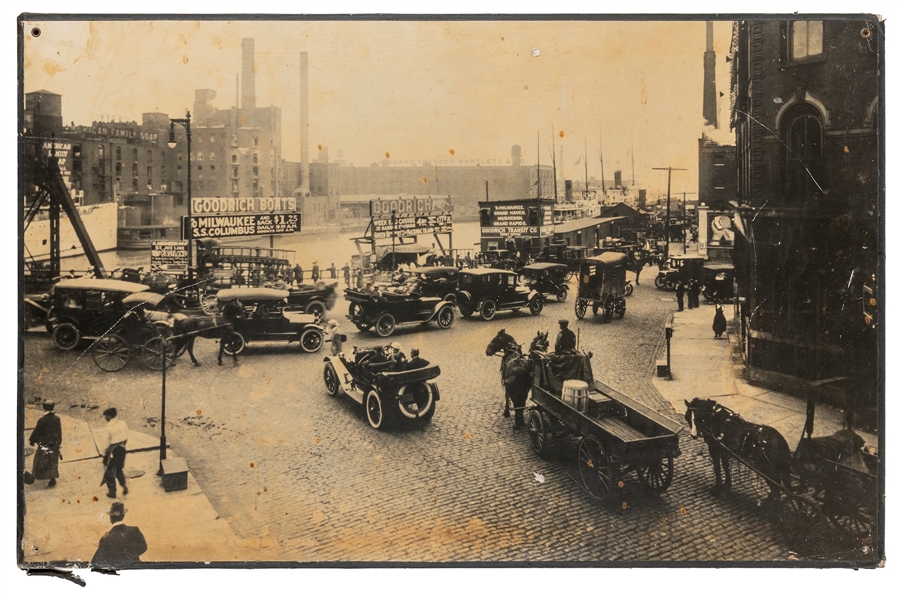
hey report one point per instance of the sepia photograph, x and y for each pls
(451, 290)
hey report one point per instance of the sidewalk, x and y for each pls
(65, 523)
(702, 367)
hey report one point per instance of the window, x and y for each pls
(212, 156)
(134, 155)
(719, 159)
(254, 185)
(150, 156)
(254, 158)
(213, 167)
(200, 167)
(254, 141)
(150, 171)
(806, 39)
(200, 156)
(719, 183)
(213, 140)
(235, 159)
(118, 151)
(802, 135)
(100, 152)
(235, 172)
(254, 171)
(135, 184)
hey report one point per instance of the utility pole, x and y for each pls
(668, 206)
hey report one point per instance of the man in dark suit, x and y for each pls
(123, 545)
(416, 361)
(565, 341)
(48, 435)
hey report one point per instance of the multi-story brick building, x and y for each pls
(806, 110)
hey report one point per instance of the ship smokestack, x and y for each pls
(248, 94)
(303, 101)
(710, 112)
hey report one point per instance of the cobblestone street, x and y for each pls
(283, 461)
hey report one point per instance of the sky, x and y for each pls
(414, 90)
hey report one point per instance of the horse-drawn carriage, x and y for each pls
(602, 286)
(547, 279)
(389, 391)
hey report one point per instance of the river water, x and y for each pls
(324, 247)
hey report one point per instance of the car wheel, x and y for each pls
(373, 406)
(66, 336)
(488, 310)
(450, 298)
(385, 325)
(209, 304)
(316, 308)
(234, 344)
(629, 288)
(331, 380)
(362, 326)
(660, 281)
(536, 304)
(562, 295)
(466, 310)
(311, 340)
(422, 403)
(445, 317)
(580, 308)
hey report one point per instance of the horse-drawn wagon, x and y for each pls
(602, 286)
(618, 435)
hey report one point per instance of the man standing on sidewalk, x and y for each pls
(693, 295)
(115, 436)
(123, 545)
(679, 294)
(48, 435)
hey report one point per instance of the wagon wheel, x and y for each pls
(799, 513)
(487, 310)
(311, 340)
(66, 336)
(445, 317)
(620, 309)
(853, 517)
(569, 276)
(539, 430)
(595, 466)
(562, 294)
(209, 304)
(610, 308)
(536, 304)
(154, 351)
(111, 352)
(373, 406)
(331, 380)
(385, 325)
(580, 308)
(657, 476)
(629, 288)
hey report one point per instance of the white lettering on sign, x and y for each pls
(408, 206)
(243, 205)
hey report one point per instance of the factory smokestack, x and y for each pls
(248, 95)
(303, 101)
(710, 112)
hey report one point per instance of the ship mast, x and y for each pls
(602, 172)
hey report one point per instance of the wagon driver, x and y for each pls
(565, 341)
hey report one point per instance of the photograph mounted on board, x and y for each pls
(382, 292)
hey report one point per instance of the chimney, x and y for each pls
(516, 155)
(303, 101)
(710, 112)
(248, 95)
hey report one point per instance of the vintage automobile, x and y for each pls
(384, 309)
(681, 268)
(264, 316)
(486, 291)
(601, 285)
(718, 282)
(441, 282)
(312, 299)
(546, 278)
(87, 309)
(571, 256)
(389, 392)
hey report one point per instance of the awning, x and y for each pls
(578, 224)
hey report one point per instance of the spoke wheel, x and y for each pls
(316, 308)
(620, 309)
(854, 518)
(562, 294)
(209, 304)
(538, 428)
(331, 380)
(445, 317)
(580, 308)
(66, 336)
(799, 514)
(595, 467)
(629, 288)
(386, 324)
(235, 343)
(156, 350)
(373, 406)
(488, 310)
(421, 403)
(536, 304)
(111, 352)
(311, 340)
(657, 476)
(660, 281)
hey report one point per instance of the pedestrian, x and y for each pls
(638, 267)
(48, 435)
(332, 270)
(346, 274)
(719, 324)
(315, 271)
(359, 279)
(114, 438)
(299, 274)
(565, 341)
(335, 337)
(679, 294)
(123, 545)
(693, 296)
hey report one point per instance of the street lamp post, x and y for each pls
(186, 122)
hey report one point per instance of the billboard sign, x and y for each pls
(201, 206)
(170, 256)
(719, 232)
(384, 228)
(514, 220)
(222, 226)
(409, 206)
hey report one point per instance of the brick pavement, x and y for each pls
(283, 462)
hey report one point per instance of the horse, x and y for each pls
(729, 436)
(515, 370)
(185, 331)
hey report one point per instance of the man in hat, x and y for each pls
(396, 357)
(114, 438)
(123, 545)
(565, 341)
(332, 331)
(416, 361)
(315, 272)
(48, 435)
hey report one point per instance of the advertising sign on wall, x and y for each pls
(220, 226)
(169, 255)
(517, 220)
(409, 206)
(412, 225)
(242, 205)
